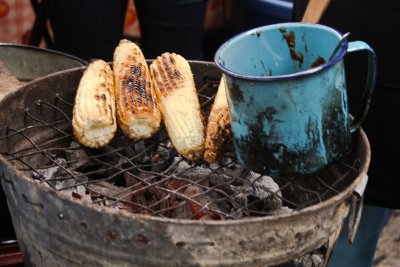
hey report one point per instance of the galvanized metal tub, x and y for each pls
(30, 62)
(54, 230)
(27, 63)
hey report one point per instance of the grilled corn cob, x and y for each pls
(93, 119)
(218, 126)
(179, 104)
(138, 115)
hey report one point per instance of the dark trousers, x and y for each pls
(87, 28)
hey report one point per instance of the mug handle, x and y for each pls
(370, 83)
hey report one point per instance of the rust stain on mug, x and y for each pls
(291, 42)
(317, 62)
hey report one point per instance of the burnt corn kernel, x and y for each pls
(138, 115)
(93, 119)
(179, 104)
(218, 131)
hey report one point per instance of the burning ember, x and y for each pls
(152, 179)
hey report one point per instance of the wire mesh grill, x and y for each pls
(149, 177)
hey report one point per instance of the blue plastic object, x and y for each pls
(265, 12)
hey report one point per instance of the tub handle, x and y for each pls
(356, 206)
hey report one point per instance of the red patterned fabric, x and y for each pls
(17, 17)
(16, 20)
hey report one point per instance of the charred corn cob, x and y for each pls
(138, 115)
(179, 104)
(218, 126)
(93, 119)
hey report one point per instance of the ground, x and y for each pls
(388, 250)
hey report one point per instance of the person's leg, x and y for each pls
(87, 28)
(172, 26)
(361, 252)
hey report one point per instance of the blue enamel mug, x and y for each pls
(288, 98)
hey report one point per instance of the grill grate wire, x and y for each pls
(149, 177)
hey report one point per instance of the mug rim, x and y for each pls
(339, 55)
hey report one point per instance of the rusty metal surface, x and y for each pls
(30, 62)
(8, 82)
(55, 230)
(20, 64)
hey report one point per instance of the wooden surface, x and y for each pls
(387, 253)
(8, 82)
(314, 10)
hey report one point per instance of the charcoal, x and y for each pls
(50, 173)
(76, 156)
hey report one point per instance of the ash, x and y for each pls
(152, 179)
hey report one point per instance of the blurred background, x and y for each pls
(26, 21)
